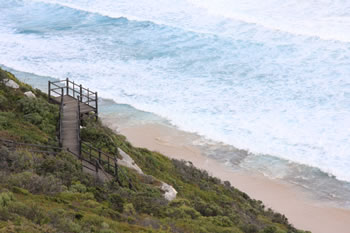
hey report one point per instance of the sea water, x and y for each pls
(271, 78)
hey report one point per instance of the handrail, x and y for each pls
(98, 150)
(111, 166)
(30, 145)
(53, 89)
(61, 119)
(58, 81)
(90, 161)
(83, 159)
(78, 126)
(94, 153)
(74, 90)
(103, 170)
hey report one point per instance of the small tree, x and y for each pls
(3, 75)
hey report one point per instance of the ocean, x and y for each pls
(268, 78)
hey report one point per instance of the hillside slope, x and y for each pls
(42, 192)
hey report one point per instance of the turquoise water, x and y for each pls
(270, 78)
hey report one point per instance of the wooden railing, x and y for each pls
(77, 91)
(107, 161)
(60, 133)
(35, 148)
(52, 150)
(78, 126)
(94, 165)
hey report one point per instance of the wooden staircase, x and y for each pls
(75, 102)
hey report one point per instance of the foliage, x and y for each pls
(50, 193)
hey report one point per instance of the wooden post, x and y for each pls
(73, 89)
(99, 156)
(80, 148)
(81, 93)
(49, 90)
(67, 86)
(88, 96)
(96, 100)
(96, 166)
(108, 164)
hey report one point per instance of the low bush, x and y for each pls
(6, 198)
(184, 212)
(36, 184)
(40, 113)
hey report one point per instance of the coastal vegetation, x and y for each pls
(43, 192)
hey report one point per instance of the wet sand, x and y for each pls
(302, 210)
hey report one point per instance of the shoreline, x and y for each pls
(298, 206)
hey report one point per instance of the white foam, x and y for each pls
(327, 19)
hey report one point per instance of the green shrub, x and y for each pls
(129, 209)
(20, 161)
(4, 154)
(6, 120)
(179, 202)
(250, 228)
(77, 187)
(63, 166)
(40, 113)
(20, 191)
(270, 229)
(183, 212)
(3, 75)
(33, 118)
(69, 196)
(222, 221)
(149, 203)
(116, 202)
(3, 101)
(6, 198)
(30, 211)
(207, 209)
(36, 184)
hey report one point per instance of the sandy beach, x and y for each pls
(302, 210)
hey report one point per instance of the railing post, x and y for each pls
(73, 89)
(81, 93)
(67, 86)
(108, 164)
(49, 90)
(99, 156)
(96, 100)
(88, 96)
(96, 166)
(80, 154)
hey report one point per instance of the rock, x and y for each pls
(170, 192)
(188, 163)
(29, 94)
(11, 83)
(127, 161)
